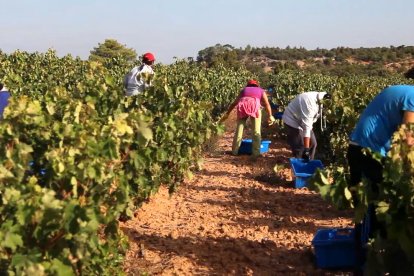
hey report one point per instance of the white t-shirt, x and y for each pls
(138, 79)
(303, 111)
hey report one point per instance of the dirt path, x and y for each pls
(235, 217)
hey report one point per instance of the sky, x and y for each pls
(175, 29)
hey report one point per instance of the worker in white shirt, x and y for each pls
(140, 77)
(298, 118)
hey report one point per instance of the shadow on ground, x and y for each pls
(235, 256)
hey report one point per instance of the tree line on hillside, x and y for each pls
(378, 61)
(340, 61)
(377, 54)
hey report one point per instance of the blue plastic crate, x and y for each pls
(303, 170)
(278, 115)
(273, 105)
(335, 248)
(246, 146)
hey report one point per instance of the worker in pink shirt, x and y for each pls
(248, 105)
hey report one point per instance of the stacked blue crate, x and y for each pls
(278, 115)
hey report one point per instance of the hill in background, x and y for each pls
(379, 61)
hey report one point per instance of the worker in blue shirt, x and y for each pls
(383, 116)
(392, 107)
(4, 98)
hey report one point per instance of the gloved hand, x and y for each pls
(306, 154)
(272, 120)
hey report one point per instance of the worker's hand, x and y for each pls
(306, 154)
(271, 120)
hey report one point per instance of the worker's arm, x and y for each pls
(408, 118)
(268, 108)
(233, 105)
(266, 104)
(230, 108)
(306, 142)
(309, 112)
(307, 123)
(306, 149)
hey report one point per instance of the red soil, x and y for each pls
(235, 217)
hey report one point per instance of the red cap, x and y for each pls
(253, 82)
(148, 57)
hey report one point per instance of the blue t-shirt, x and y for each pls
(4, 101)
(382, 117)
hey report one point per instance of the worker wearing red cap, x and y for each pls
(140, 77)
(248, 104)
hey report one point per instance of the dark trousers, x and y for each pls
(295, 141)
(363, 165)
